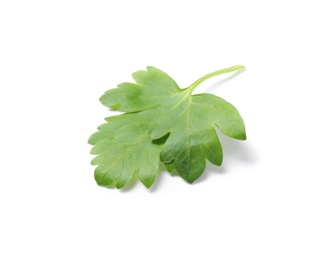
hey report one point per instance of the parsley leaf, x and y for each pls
(162, 123)
(125, 149)
(152, 88)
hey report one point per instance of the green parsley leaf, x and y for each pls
(153, 88)
(162, 123)
(125, 149)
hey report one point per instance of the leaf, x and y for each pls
(124, 149)
(153, 88)
(192, 137)
(160, 110)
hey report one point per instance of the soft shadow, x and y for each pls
(220, 82)
(234, 152)
(210, 169)
(129, 186)
(132, 184)
(162, 170)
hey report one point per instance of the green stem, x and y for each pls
(215, 73)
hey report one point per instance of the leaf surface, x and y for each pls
(152, 88)
(124, 149)
(164, 110)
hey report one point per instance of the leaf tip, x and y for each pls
(93, 139)
(151, 68)
(241, 136)
(102, 178)
(147, 182)
(119, 185)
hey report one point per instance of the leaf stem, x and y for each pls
(215, 73)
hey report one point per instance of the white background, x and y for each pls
(267, 201)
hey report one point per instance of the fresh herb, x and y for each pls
(162, 123)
